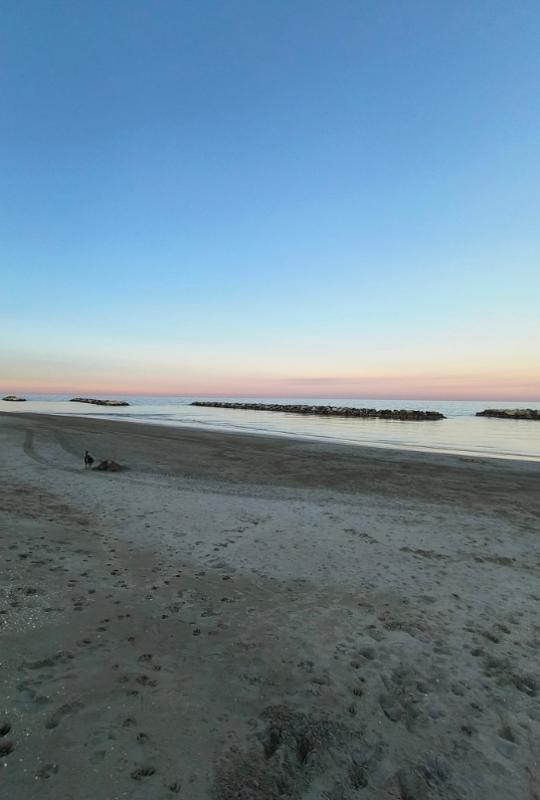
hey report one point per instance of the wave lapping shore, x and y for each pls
(327, 411)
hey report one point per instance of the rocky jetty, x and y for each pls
(510, 413)
(327, 411)
(12, 398)
(94, 402)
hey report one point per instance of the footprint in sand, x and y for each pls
(141, 772)
(145, 657)
(98, 756)
(47, 770)
(28, 697)
(56, 718)
(144, 680)
(6, 747)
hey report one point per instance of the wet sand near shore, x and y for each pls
(256, 618)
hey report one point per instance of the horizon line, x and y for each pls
(274, 395)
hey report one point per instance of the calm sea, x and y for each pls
(461, 432)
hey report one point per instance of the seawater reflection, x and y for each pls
(461, 432)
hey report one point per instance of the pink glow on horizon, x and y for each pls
(518, 389)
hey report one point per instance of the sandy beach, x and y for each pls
(255, 618)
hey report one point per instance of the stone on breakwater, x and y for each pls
(99, 402)
(510, 413)
(14, 399)
(327, 411)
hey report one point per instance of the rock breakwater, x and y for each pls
(510, 413)
(327, 411)
(95, 402)
(12, 398)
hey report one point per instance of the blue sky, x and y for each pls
(220, 197)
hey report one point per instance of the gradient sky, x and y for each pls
(286, 198)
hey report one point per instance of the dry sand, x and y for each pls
(240, 617)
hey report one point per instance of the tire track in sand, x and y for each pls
(30, 451)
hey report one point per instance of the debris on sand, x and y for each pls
(108, 466)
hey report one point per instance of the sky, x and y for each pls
(289, 198)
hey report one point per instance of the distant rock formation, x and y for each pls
(510, 413)
(327, 411)
(12, 398)
(94, 402)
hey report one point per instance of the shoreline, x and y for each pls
(243, 616)
(208, 428)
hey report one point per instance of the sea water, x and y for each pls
(461, 432)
